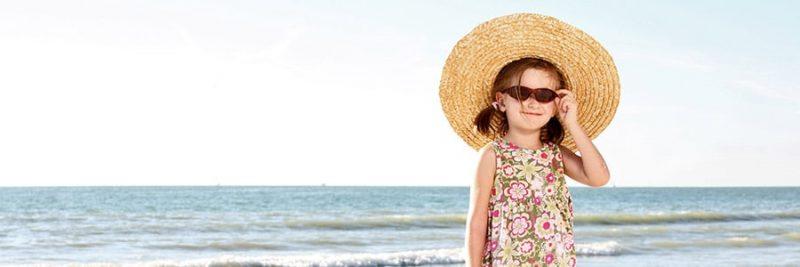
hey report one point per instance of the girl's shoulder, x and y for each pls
(493, 151)
(487, 164)
(488, 150)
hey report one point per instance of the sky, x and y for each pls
(346, 92)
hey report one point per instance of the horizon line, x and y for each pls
(340, 185)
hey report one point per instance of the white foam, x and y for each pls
(404, 258)
(608, 248)
(450, 256)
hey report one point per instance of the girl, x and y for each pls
(520, 211)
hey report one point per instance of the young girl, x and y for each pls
(520, 210)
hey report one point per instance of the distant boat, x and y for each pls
(323, 184)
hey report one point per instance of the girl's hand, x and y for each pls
(567, 107)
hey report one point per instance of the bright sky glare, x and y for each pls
(346, 92)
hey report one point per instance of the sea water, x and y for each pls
(380, 226)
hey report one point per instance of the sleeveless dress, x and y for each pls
(530, 220)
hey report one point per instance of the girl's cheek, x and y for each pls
(552, 108)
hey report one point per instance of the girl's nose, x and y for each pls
(532, 103)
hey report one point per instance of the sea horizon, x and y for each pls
(326, 185)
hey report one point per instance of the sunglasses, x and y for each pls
(522, 93)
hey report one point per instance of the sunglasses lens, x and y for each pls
(544, 95)
(522, 93)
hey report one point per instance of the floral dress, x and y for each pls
(530, 220)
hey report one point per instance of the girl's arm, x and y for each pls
(479, 207)
(589, 168)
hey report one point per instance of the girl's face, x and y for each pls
(530, 115)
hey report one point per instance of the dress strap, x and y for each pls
(496, 146)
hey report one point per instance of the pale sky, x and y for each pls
(346, 92)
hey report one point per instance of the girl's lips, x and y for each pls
(532, 113)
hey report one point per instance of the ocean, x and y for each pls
(380, 226)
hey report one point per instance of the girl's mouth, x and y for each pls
(535, 114)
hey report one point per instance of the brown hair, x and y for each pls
(491, 121)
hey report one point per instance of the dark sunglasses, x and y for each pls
(522, 93)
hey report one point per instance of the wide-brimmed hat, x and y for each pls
(474, 62)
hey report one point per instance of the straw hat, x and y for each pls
(470, 70)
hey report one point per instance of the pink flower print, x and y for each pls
(512, 145)
(520, 224)
(515, 155)
(549, 258)
(559, 223)
(491, 245)
(537, 183)
(526, 246)
(517, 190)
(520, 155)
(495, 213)
(543, 158)
(496, 224)
(544, 226)
(537, 197)
(549, 189)
(560, 250)
(571, 262)
(504, 145)
(550, 177)
(569, 242)
(508, 170)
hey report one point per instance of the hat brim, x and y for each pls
(474, 62)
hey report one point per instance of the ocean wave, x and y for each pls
(618, 232)
(383, 221)
(608, 248)
(679, 217)
(794, 236)
(453, 256)
(715, 243)
(651, 231)
(459, 220)
(224, 246)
